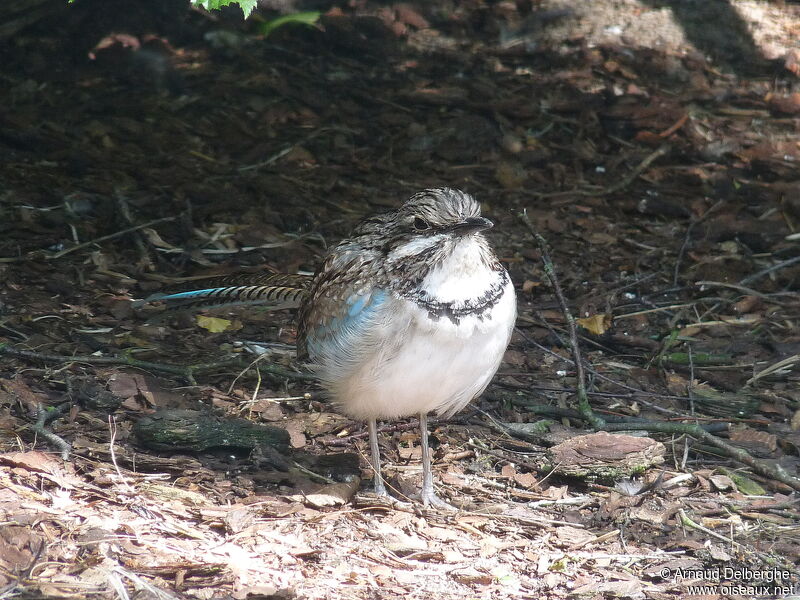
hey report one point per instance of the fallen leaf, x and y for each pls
(32, 461)
(596, 324)
(528, 286)
(795, 423)
(525, 480)
(792, 61)
(213, 324)
(297, 439)
(600, 238)
(510, 175)
(155, 239)
(721, 482)
(334, 494)
(787, 105)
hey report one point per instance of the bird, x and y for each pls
(410, 314)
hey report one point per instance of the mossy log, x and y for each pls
(181, 430)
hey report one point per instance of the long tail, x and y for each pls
(271, 289)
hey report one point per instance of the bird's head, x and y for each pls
(431, 224)
(441, 211)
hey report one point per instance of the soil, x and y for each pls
(652, 144)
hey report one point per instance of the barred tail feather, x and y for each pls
(275, 290)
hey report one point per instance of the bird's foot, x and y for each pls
(379, 489)
(378, 497)
(429, 498)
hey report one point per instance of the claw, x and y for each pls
(429, 498)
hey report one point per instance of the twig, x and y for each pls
(547, 410)
(138, 240)
(549, 269)
(625, 182)
(775, 472)
(608, 379)
(281, 153)
(733, 286)
(686, 521)
(348, 440)
(112, 428)
(110, 236)
(311, 474)
(187, 372)
(677, 125)
(767, 271)
(781, 364)
(245, 370)
(655, 310)
(104, 238)
(685, 244)
(630, 177)
(690, 387)
(139, 584)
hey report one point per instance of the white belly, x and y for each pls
(421, 365)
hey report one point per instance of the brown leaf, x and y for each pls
(297, 439)
(596, 324)
(298, 154)
(555, 224)
(32, 461)
(314, 424)
(676, 384)
(649, 138)
(515, 357)
(753, 439)
(792, 61)
(600, 238)
(528, 286)
(747, 304)
(22, 393)
(721, 482)
(408, 15)
(333, 494)
(787, 105)
(556, 493)
(526, 480)
(795, 423)
(617, 589)
(573, 535)
(510, 175)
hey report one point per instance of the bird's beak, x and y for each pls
(471, 225)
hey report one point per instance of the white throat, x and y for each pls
(466, 274)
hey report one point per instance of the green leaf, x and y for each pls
(303, 18)
(247, 6)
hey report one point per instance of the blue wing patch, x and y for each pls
(357, 303)
(339, 335)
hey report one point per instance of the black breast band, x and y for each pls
(456, 310)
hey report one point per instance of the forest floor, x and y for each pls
(653, 144)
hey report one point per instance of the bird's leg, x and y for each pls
(429, 496)
(377, 478)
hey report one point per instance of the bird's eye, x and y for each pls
(421, 224)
